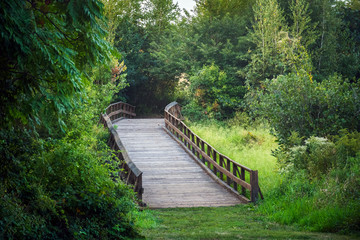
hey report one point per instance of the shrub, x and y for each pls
(215, 92)
(317, 156)
(322, 179)
(194, 112)
(296, 103)
(63, 191)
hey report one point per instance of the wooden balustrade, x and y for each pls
(130, 174)
(120, 110)
(233, 174)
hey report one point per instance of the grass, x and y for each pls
(291, 200)
(237, 222)
(279, 216)
(250, 147)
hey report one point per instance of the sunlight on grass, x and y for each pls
(237, 222)
(145, 219)
(250, 147)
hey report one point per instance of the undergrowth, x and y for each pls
(328, 202)
(250, 147)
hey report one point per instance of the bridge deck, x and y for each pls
(171, 178)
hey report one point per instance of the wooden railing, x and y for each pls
(130, 174)
(235, 176)
(119, 110)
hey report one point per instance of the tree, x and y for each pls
(45, 48)
(56, 184)
(115, 10)
(302, 27)
(269, 29)
(159, 16)
(219, 8)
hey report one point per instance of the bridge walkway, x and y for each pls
(171, 177)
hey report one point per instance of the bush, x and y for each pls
(321, 187)
(317, 156)
(63, 191)
(296, 103)
(194, 112)
(215, 92)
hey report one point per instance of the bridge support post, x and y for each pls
(254, 182)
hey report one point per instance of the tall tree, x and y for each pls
(269, 29)
(302, 28)
(160, 14)
(45, 47)
(219, 8)
(115, 11)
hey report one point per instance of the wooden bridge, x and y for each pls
(170, 166)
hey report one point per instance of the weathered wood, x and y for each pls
(171, 178)
(213, 163)
(131, 174)
(254, 186)
(234, 172)
(228, 179)
(242, 177)
(202, 149)
(221, 161)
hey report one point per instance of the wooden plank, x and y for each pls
(246, 168)
(170, 176)
(224, 171)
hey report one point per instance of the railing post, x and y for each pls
(198, 145)
(254, 182)
(177, 126)
(221, 163)
(193, 141)
(214, 158)
(208, 153)
(188, 135)
(203, 149)
(242, 177)
(139, 189)
(228, 180)
(234, 173)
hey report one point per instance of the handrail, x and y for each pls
(119, 110)
(227, 170)
(130, 174)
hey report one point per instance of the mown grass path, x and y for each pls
(236, 222)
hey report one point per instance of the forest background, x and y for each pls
(288, 66)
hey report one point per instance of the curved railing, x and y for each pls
(130, 174)
(235, 176)
(120, 110)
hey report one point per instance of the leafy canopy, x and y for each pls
(45, 47)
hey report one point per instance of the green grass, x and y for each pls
(290, 200)
(238, 222)
(279, 216)
(249, 147)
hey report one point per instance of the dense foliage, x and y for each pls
(45, 47)
(297, 103)
(57, 74)
(295, 66)
(291, 64)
